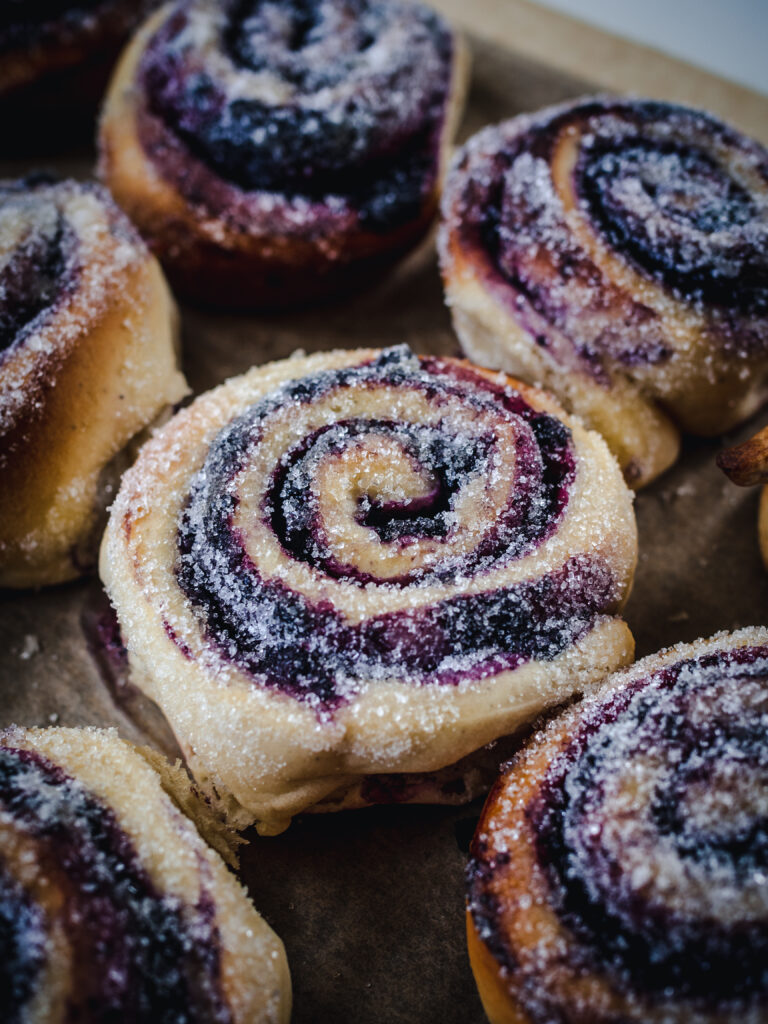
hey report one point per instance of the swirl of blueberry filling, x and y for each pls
(308, 98)
(36, 261)
(22, 947)
(467, 479)
(676, 195)
(661, 193)
(137, 956)
(652, 831)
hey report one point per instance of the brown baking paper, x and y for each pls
(370, 903)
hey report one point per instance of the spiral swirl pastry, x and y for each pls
(87, 360)
(112, 907)
(364, 562)
(618, 871)
(282, 150)
(616, 250)
(55, 59)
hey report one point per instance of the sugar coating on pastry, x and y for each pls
(619, 870)
(614, 250)
(364, 562)
(87, 360)
(112, 907)
(270, 152)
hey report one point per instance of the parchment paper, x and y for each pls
(370, 903)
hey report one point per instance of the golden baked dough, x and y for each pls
(87, 361)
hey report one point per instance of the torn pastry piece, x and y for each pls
(364, 563)
(281, 152)
(746, 464)
(112, 906)
(88, 359)
(619, 871)
(615, 251)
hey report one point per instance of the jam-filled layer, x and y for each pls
(137, 955)
(22, 947)
(678, 196)
(669, 201)
(652, 830)
(474, 481)
(36, 244)
(65, 252)
(339, 100)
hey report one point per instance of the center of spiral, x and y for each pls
(352, 497)
(680, 215)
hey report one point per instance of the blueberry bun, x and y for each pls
(55, 61)
(112, 906)
(618, 870)
(746, 464)
(364, 563)
(87, 361)
(616, 251)
(277, 152)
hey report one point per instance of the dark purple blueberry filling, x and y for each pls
(282, 640)
(647, 947)
(22, 948)
(138, 958)
(258, 42)
(383, 164)
(30, 283)
(309, 650)
(550, 462)
(449, 460)
(545, 464)
(675, 211)
(412, 519)
(701, 244)
(743, 846)
(484, 905)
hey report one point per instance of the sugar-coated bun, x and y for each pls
(112, 906)
(616, 251)
(619, 871)
(282, 152)
(364, 563)
(87, 361)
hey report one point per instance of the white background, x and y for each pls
(729, 37)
